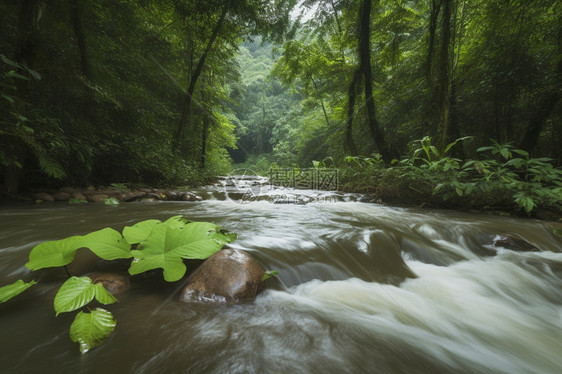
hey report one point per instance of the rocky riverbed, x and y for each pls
(101, 194)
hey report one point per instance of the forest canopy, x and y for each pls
(171, 92)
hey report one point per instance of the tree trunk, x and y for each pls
(195, 76)
(365, 67)
(76, 19)
(435, 10)
(351, 95)
(544, 109)
(204, 140)
(321, 101)
(444, 81)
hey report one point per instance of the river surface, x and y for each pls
(362, 288)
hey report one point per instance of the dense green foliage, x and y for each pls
(502, 178)
(168, 93)
(150, 244)
(445, 69)
(97, 91)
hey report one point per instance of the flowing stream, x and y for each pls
(363, 288)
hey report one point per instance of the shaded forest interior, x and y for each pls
(172, 92)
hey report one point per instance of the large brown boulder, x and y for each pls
(227, 276)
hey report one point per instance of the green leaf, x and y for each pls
(139, 231)
(13, 74)
(50, 166)
(79, 291)
(177, 221)
(167, 246)
(111, 201)
(14, 289)
(107, 244)
(9, 98)
(7, 61)
(505, 153)
(269, 274)
(77, 201)
(92, 329)
(54, 253)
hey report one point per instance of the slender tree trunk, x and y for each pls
(540, 116)
(321, 101)
(434, 16)
(204, 136)
(444, 80)
(195, 76)
(351, 95)
(365, 66)
(340, 31)
(77, 26)
(205, 122)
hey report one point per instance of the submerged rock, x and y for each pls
(113, 282)
(227, 276)
(513, 243)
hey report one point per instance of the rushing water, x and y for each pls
(364, 288)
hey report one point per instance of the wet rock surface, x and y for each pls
(113, 282)
(513, 243)
(227, 276)
(99, 195)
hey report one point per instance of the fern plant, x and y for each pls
(25, 131)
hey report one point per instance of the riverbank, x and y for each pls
(102, 194)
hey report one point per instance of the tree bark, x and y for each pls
(351, 95)
(77, 26)
(195, 76)
(444, 80)
(321, 101)
(434, 16)
(365, 67)
(540, 116)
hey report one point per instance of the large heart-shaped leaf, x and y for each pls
(177, 221)
(139, 231)
(54, 253)
(107, 244)
(14, 289)
(201, 240)
(79, 291)
(92, 329)
(167, 246)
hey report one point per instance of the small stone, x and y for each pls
(112, 282)
(513, 243)
(188, 196)
(134, 195)
(43, 196)
(68, 190)
(97, 198)
(78, 195)
(62, 196)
